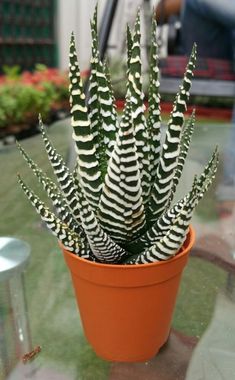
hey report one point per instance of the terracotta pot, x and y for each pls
(126, 311)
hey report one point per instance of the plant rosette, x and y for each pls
(124, 239)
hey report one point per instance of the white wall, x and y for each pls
(75, 15)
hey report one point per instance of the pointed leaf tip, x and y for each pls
(194, 50)
(137, 20)
(40, 118)
(95, 13)
(41, 126)
(72, 41)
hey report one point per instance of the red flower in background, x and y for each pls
(50, 75)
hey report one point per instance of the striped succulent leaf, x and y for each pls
(68, 238)
(171, 147)
(159, 228)
(53, 193)
(93, 101)
(138, 109)
(111, 91)
(107, 110)
(169, 244)
(184, 147)
(88, 167)
(101, 102)
(129, 45)
(204, 181)
(163, 224)
(154, 110)
(101, 244)
(121, 210)
(64, 177)
(94, 31)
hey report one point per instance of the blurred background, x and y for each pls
(34, 41)
(34, 44)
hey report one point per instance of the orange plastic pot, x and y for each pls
(126, 311)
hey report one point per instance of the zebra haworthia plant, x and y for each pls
(116, 205)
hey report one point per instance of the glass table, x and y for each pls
(202, 340)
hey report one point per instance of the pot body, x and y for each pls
(126, 310)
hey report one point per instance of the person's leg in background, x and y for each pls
(209, 23)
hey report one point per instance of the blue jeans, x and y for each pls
(228, 178)
(211, 24)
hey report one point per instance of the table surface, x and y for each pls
(202, 340)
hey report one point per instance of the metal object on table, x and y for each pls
(14, 327)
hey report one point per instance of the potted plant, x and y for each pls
(123, 240)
